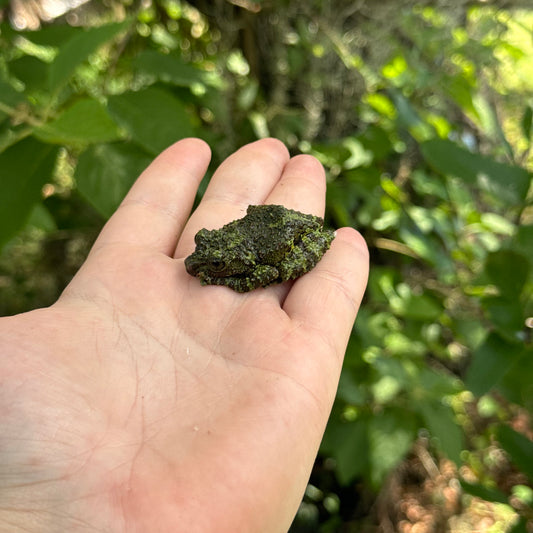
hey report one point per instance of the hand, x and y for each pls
(144, 402)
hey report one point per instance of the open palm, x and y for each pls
(142, 401)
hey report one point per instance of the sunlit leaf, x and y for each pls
(78, 48)
(168, 68)
(382, 104)
(390, 436)
(385, 389)
(86, 121)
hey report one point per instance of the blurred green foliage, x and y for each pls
(422, 117)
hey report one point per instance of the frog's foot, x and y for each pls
(261, 276)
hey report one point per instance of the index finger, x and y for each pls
(155, 209)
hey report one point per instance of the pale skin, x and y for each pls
(142, 401)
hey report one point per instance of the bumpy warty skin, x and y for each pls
(269, 245)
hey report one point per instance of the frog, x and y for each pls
(270, 244)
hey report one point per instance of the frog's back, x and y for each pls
(275, 228)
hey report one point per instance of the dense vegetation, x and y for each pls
(422, 116)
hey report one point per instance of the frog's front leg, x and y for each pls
(305, 254)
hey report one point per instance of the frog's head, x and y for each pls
(219, 255)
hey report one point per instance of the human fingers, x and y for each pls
(155, 209)
(246, 177)
(302, 186)
(325, 301)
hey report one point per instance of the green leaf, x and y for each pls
(78, 48)
(521, 526)
(349, 390)
(523, 240)
(519, 448)
(377, 141)
(168, 68)
(153, 117)
(490, 362)
(105, 173)
(505, 313)
(390, 436)
(516, 384)
(420, 307)
(30, 70)
(25, 167)
(507, 182)
(86, 121)
(460, 89)
(485, 493)
(9, 96)
(527, 120)
(407, 114)
(41, 218)
(508, 270)
(52, 35)
(347, 443)
(441, 424)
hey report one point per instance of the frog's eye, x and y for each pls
(217, 265)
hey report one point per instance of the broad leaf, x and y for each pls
(517, 385)
(24, 168)
(526, 122)
(521, 526)
(485, 493)
(507, 182)
(519, 448)
(30, 70)
(52, 35)
(168, 68)
(506, 314)
(105, 173)
(390, 436)
(9, 97)
(78, 48)
(441, 424)
(347, 443)
(86, 121)
(508, 270)
(153, 117)
(490, 362)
